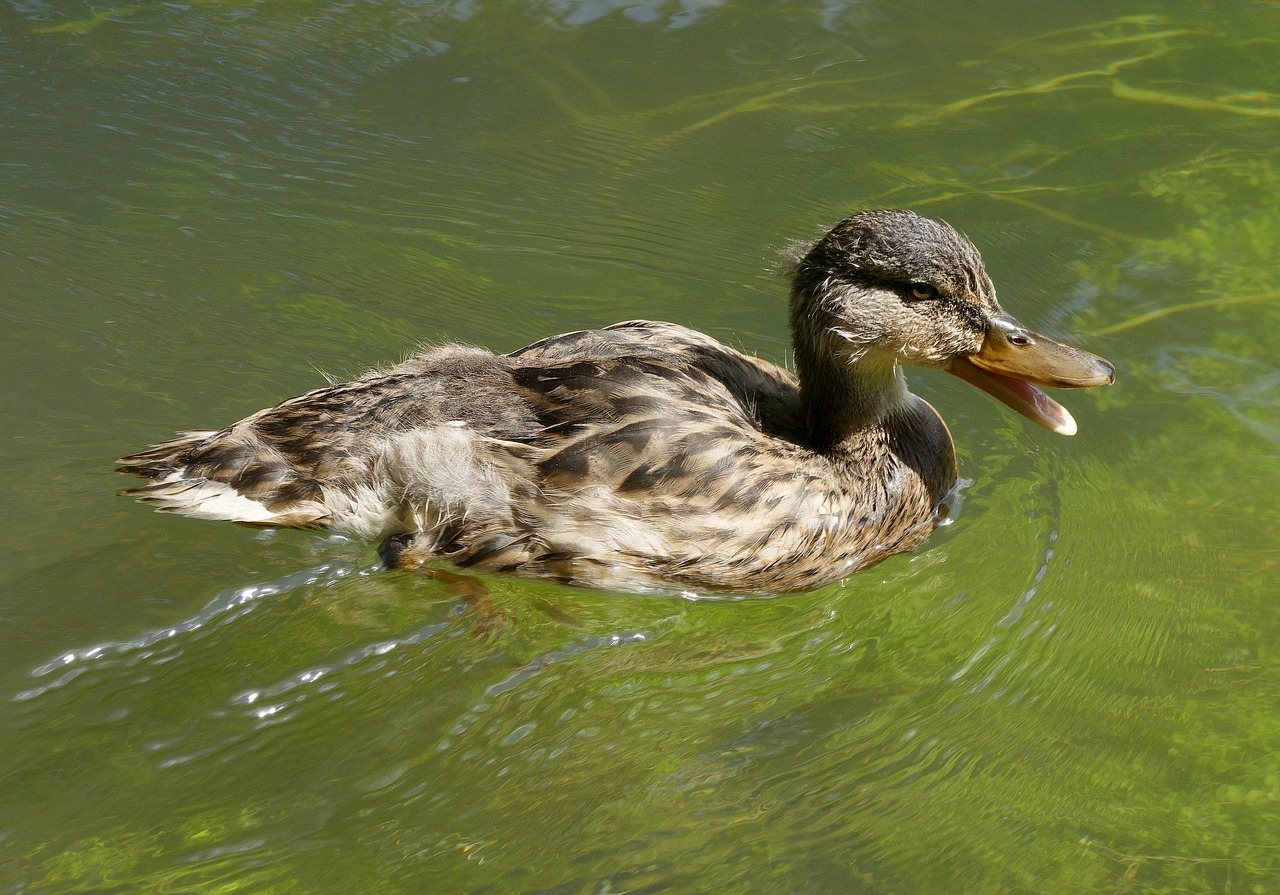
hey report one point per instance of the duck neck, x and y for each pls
(850, 389)
(859, 411)
(848, 397)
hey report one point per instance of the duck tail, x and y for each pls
(207, 475)
(162, 460)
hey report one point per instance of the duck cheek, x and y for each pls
(936, 350)
(917, 357)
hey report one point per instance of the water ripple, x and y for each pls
(165, 644)
(269, 703)
(540, 664)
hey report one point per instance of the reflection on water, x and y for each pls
(1071, 688)
(1247, 387)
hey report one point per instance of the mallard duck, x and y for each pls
(647, 455)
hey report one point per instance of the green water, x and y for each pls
(208, 206)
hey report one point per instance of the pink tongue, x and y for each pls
(1022, 396)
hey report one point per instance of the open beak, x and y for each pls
(1014, 360)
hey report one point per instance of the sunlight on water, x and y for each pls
(167, 644)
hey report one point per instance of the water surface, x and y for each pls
(206, 207)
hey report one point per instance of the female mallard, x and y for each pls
(646, 454)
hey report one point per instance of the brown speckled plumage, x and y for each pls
(644, 454)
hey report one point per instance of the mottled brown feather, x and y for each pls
(640, 455)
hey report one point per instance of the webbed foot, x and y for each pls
(401, 552)
(397, 552)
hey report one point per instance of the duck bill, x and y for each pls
(1014, 361)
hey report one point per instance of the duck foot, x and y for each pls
(397, 552)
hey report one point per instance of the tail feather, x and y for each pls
(162, 460)
(197, 475)
(218, 501)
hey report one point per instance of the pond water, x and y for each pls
(209, 206)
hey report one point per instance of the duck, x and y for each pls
(646, 455)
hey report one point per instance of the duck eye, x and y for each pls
(922, 291)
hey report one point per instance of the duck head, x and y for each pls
(888, 288)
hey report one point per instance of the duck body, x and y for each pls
(641, 455)
(638, 456)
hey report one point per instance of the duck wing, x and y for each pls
(642, 355)
(318, 460)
